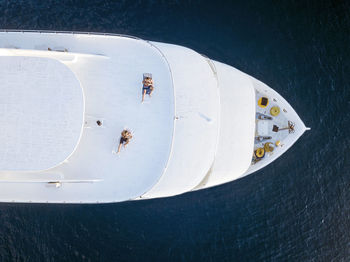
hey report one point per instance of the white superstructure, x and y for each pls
(66, 97)
(42, 113)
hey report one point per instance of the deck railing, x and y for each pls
(66, 32)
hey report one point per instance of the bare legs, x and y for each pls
(119, 147)
(143, 95)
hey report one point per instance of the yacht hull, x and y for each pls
(198, 129)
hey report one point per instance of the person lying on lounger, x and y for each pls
(147, 87)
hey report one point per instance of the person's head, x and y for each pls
(126, 133)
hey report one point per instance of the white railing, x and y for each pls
(66, 32)
(211, 64)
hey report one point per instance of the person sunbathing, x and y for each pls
(147, 87)
(124, 139)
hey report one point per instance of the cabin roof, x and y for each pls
(41, 108)
(110, 71)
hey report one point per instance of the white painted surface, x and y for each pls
(262, 127)
(110, 76)
(237, 126)
(175, 133)
(197, 110)
(231, 164)
(41, 108)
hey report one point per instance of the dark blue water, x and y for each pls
(296, 209)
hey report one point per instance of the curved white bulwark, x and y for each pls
(237, 100)
(66, 97)
(197, 115)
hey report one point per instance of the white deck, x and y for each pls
(111, 76)
(237, 126)
(197, 124)
(189, 135)
(42, 110)
(287, 113)
(240, 92)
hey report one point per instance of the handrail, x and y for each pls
(66, 32)
(211, 64)
(53, 181)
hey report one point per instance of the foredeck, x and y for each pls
(278, 127)
(110, 72)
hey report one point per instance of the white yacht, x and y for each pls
(66, 97)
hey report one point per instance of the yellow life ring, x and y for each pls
(263, 102)
(260, 152)
(275, 111)
(267, 147)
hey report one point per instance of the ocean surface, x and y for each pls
(296, 209)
